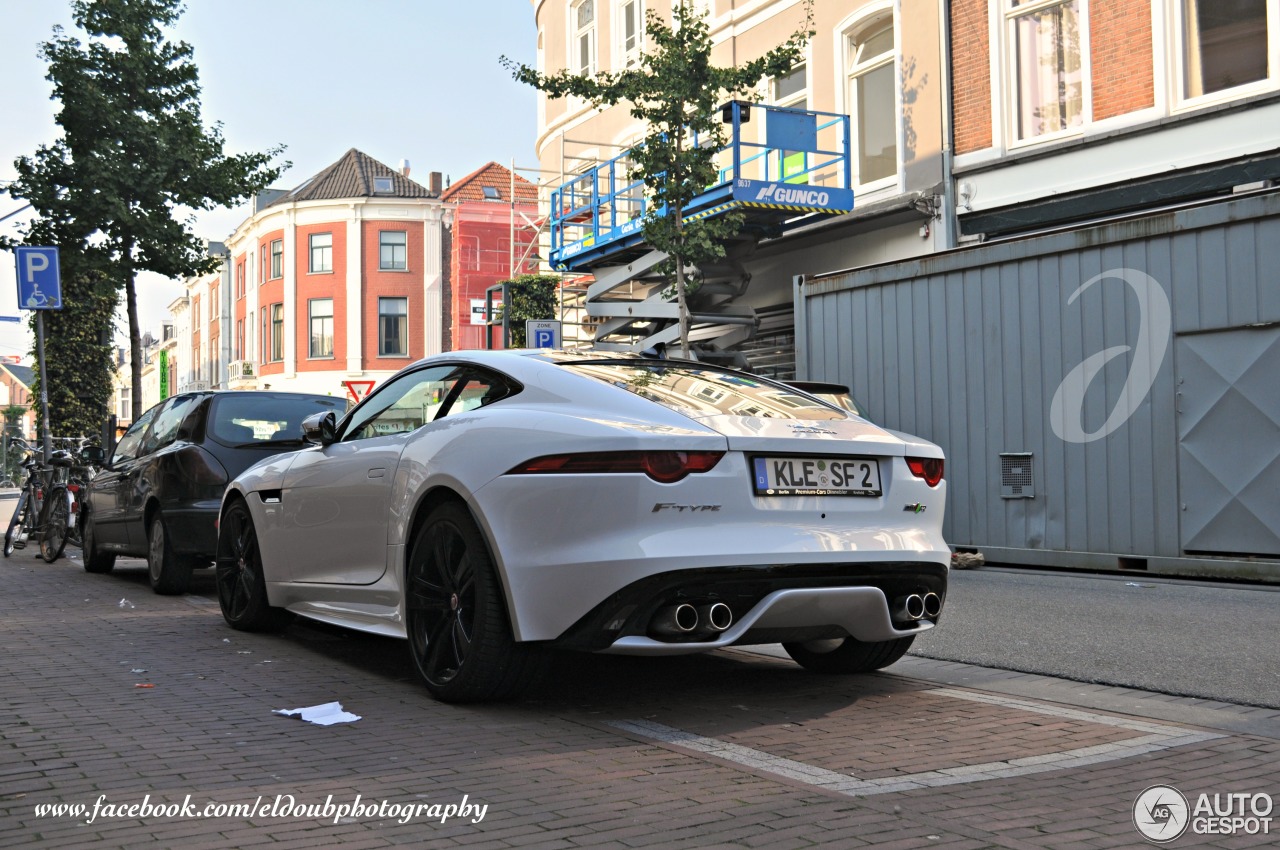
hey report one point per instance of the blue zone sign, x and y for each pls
(39, 282)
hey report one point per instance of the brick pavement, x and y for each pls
(736, 749)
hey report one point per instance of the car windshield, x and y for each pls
(249, 418)
(705, 390)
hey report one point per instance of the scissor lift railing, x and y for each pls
(782, 167)
(799, 169)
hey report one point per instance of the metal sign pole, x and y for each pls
(44, 387)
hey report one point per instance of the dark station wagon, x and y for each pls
(158, 495)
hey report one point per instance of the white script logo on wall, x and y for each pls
(1160, 813)
(1066, 411)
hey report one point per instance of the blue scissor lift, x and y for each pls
(781, 169)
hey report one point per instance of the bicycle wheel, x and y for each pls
(56, 513)
(16, 524)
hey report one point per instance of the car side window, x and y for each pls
(404, 404)
(478, 389)
(127, 448)
(167, 422)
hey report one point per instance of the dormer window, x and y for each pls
(491, 193)
(383, 185)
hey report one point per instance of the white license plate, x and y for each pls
(815, 476)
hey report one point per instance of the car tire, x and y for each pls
(94, 561)
(56, 526)
(459, 632)
(849, 655)
(15, 525)
(169, 573)
(239, 576)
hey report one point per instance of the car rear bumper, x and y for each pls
(766, 604)
(193, 530)
(861, 612)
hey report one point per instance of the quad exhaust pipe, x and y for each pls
(685, 618)
(917, 607)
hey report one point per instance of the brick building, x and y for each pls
(493, 238)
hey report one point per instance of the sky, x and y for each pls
(397, 79)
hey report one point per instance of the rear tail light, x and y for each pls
(663, 467)
(928, 468)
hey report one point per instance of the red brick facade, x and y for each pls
(1120, 45)
(971, 75)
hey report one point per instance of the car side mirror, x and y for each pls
(93, 455)
(320, 428)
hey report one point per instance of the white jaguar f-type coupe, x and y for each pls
(489, 505)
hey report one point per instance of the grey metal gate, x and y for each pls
(1229, 441)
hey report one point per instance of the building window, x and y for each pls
(384, 185)
(240, 349)
(277, 332)
(195, 313)
(1224, 45)
(321, 252)
(263, 351)
(239, 280)
(793, 89)
(393, 327)
(277, 258)
(630, 33)
(872, 83)
(393, 249)
(321, 310)
(583, 17)
(1048, 67)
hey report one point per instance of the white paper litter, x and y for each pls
(321, 715)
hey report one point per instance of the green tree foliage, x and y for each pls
(528, 296)
(676, 91)
(78, 362)
(135, 153)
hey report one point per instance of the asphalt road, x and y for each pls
(1200, 639)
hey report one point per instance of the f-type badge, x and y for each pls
(915, 508)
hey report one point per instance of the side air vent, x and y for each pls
(1017, 479)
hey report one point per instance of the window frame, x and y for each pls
(326, 267)
(402, 322)
(1013, 11)
(277, 332)
(860, 32)
(625, 57)
(577, 33)
(312, 318)
(277, 259)
(1176, 11)
(383, 245)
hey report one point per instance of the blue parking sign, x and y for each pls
(39, 281)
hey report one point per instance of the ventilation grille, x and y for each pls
(1017, 479)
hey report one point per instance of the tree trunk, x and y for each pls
(135, 335)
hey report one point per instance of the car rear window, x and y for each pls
(706, 390)
(249, 418)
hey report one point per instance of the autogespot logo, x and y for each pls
(1160, 813)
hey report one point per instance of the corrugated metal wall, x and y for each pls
(970, 349)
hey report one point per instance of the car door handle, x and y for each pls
(377, 473)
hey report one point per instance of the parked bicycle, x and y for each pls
(45, 505)
(88, 456)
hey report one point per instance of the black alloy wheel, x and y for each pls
(56, 525)
(94, 561)
(169, 573)
(239, 577)
(459, 632)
